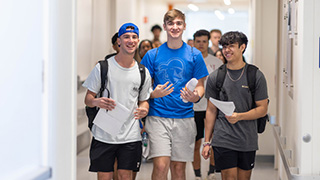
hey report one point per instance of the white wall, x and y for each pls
(264, 50)
(61, 82)
(299, 104)
(38, 80)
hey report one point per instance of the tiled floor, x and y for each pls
(262, 170)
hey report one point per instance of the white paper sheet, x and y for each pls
(112, 121)
(227, 107)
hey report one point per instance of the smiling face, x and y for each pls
(233, 52)
(175, 28)
(201, 43)
(145, 47)
(128, 43)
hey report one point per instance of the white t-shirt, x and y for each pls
(123, 85)
(212, 64)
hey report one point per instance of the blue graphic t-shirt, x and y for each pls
(177, 66)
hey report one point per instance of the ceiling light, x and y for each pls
(231, 11)
(219, 14)
(227, 2)
(193, 7)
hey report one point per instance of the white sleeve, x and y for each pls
(93, 82)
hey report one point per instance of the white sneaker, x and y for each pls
(198, 178)
(212, 176)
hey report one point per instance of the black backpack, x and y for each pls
(251, 78)
(92, 111)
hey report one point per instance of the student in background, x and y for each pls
(190, 42)
(215, 37)
(201, 42)
(144, 47)
(220, 56)
(114, 46)
(156, 31)
(170, 122)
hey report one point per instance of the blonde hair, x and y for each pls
(172, 14)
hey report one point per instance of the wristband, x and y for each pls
(199, 99)
(206, 144)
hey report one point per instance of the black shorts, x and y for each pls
(199, 117)
(226, 158)
(103, 155)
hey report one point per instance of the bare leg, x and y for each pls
(124, 174)
(115, 173)
(105, 175)
(244, 174)
(160, 168)
(178, 170)
(229, 174)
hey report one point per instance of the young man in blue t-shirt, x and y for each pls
(170, 122)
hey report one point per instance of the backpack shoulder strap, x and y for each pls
(104, 75)
(222, 71)
(142, 71)
(251, 78)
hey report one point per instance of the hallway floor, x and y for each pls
(263, 169)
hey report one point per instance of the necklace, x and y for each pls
(238, 77)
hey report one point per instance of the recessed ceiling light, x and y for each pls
(227, 2)
(231, 11)
(193, 7)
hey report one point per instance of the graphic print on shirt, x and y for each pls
(172, 71)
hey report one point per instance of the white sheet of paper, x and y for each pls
(227, 107)
(112, 121)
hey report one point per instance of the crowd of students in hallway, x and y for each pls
(175, 128)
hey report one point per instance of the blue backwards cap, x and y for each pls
(123, 29)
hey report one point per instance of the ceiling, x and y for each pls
(209, 5)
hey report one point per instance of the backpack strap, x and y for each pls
(104, 76)
(142, 71)
(222, 71)
(251, 78)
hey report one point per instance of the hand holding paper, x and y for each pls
(227, 107)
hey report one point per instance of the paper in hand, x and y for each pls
(112, 121)
(227, 107)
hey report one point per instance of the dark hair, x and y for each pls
(234, 37)
(201, 32)
(144, 41)
(114, 38)
(156, 27)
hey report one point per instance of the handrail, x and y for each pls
(291, 175)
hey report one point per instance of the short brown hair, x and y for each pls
(216, 30)
(172, 14)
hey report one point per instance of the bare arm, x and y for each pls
(255, 113)
(209, 122)
(142, 110)
(102, 102)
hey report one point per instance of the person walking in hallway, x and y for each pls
(234, 138)
(215, 35)
(170, 122)
(122, 89)
(201, 42)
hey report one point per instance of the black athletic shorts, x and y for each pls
(199, 117)
(226, 158)
(103, 155)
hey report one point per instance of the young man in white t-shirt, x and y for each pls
(201, 42)
(122, 89)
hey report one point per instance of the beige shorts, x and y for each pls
(171, 137)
